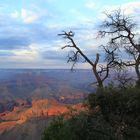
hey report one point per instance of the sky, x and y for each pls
(29, 28)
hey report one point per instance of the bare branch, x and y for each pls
(97, 59)
(120, 31)
(74, 55)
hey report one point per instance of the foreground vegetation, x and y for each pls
(112, 114)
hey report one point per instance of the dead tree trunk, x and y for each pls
(74, 57)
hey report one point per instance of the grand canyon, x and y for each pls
(30, 98)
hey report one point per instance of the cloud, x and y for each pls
(79, 19)
(28, 34)
(30, 53)
(131, 7)
(6, 53)
(11, 43)
(23, 13)
(15, 34)
(128, 8)
(15, 14)
(29, 16)
(54, 55)
(90, 4)
(20, 62)
(30, 19)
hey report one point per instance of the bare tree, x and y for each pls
(121, 32)
(101, 72)
(123, 79)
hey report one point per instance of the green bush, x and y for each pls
(57, 130)
(80, 127)
(113, 114)
(121, 109)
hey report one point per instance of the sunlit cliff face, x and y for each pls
(40, 109)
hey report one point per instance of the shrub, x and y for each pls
(120, 108)
(113, 115)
